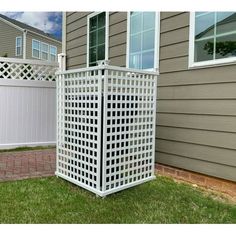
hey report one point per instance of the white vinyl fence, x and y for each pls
(106, 127)
(27, 103)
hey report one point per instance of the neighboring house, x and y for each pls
(19, 40)
(196, 108)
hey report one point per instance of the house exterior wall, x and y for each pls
(196, 123)
(196, 108)
(30, 36)
(8, 36)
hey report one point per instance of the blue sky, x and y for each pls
(49, 22)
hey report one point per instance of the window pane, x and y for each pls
(101, 20)
(18, 42)
(93, 54)
(142, 40)
(53, 50)
(136, 23)
(204, 50)
(149, 20)
(226, 46)
(44, 47)
(18, 51)
(35, 44)
(36, 53)
(204, 25)
(53, 58)
(97, 38)
(148, 60)
(101, 36)
(148, 40)
(101, 52)
(93, 23)
(44, 56)
(226, 22)
(135, 43)
(93, 39)
(135, 61)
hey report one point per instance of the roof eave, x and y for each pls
(11, 24)
(44, 36)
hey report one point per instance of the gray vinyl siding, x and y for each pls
(196, 119)
(76, 39)
(8, 36)
(30, 36)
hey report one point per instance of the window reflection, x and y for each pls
(142, 40)
(215, 35)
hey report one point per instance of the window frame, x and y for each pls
(21, 46)
(209, 63)
(156, 42)
(106, 34)
(39, 49)
(42, 51)
(52, 46)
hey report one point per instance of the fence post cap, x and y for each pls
(103, 62)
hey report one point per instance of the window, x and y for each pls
(44, 51)
(35, 49)
(41, 50)
(143, 40)
(97, 38)
(53, 53)
(212, 38)
(19, 46)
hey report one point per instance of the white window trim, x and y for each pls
(19, 37)
(106, 34)
(157, 42)
(39, 49)
(52, 46)
(210, 63)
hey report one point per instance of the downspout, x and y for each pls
(24, 44)
(64, 32)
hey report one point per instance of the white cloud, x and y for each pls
(47, 21)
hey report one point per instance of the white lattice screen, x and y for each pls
(106, 127)
(11, 68)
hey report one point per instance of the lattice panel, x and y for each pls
(79, 128)
(27, 71)
(129, 125)
(106, 128)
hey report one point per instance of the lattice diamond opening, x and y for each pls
(106, 127)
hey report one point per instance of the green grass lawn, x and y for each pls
(53, 200)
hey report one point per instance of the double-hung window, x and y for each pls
(97, 38)
(35, 49)
(212, 38)
(53, 53)
(143, 40)
(44, 51)
(19, 46)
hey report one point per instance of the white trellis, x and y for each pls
(23, 69)
(106, 127)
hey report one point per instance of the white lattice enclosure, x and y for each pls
(11, 68)
(106, 127)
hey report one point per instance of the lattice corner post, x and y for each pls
(106, 127)
(62, 61)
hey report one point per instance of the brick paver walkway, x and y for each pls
(27, 164)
